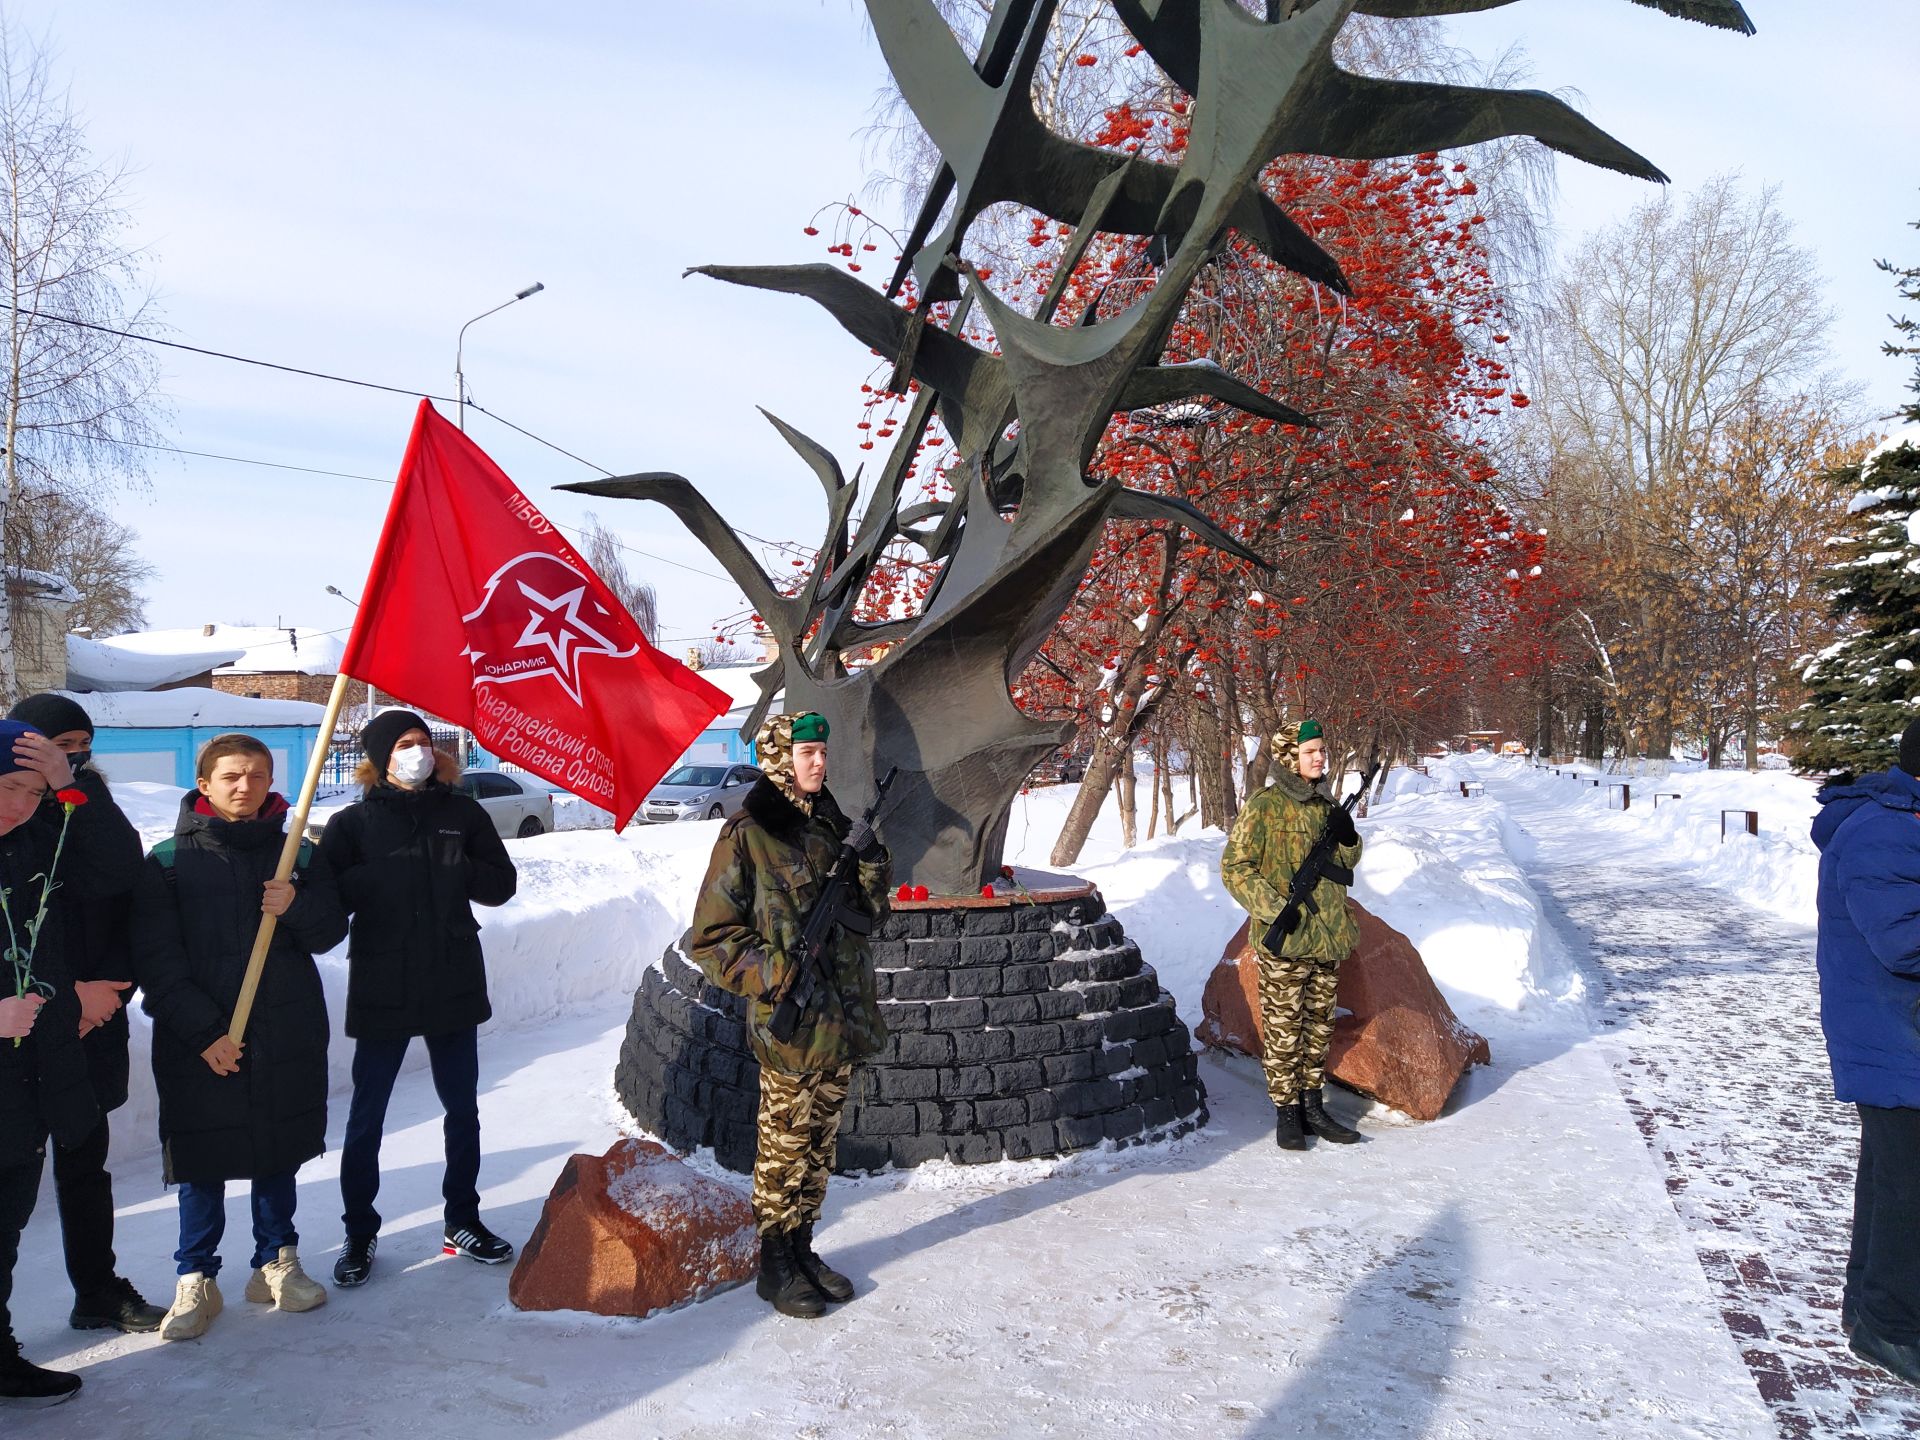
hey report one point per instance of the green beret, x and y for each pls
(1309, 730)
(809, 726)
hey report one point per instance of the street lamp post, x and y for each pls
(371, 694)
(459, 373)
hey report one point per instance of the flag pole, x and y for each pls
(289, 852)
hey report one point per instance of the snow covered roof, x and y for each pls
(737, 683)
(101, 666)
(42, 584)
(194, 706)
(243, 649)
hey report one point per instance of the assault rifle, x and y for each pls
(1319, 865)
(834, 907)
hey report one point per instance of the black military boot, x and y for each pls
(25, 1383)
(1314, 1113)
(1289, 1130)
(781, 1283)
(828, 1281)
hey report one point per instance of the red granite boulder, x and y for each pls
(634, 1231)
(1400, 1041)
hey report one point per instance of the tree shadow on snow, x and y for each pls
(1382, 1366)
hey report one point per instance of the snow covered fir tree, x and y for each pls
(1865, 688)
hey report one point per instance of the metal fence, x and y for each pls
(344, 755)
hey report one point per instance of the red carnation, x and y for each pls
(71, 797)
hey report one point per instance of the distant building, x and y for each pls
(260, 662)
(157, 735)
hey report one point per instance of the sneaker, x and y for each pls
(196, 1300)
(477, 1243)
(24, 1383)
(284, 1285)
(118, 1307)
(356, 1261)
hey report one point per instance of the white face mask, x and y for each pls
(412, 766)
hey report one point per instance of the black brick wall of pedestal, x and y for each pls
(1014, 1031)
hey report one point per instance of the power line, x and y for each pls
(310, 374)
(346, 380)
(223, 355)
(380, 480)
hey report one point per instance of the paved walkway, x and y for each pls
(1711, 1015)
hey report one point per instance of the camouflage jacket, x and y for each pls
(1269, 842)
(768, 866)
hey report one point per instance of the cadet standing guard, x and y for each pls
(1270, 842)
(770, 867)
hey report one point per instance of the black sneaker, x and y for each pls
(356, 1261)
(26, 1384)
(118, 1307)
(477, 1242)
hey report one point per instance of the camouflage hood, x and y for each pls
(774, 747)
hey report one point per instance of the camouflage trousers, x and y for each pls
(1296, 1023)
(799, 1125)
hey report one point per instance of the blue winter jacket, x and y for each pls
(1869, 946)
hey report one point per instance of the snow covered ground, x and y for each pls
(1515, 1268)
(1775, 870)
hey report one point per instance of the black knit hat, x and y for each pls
(52, 714)
(1910, 748)
(385, 728)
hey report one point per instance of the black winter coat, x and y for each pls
(193, 929)
(93, 910)
(44, 1087)
(412, 864)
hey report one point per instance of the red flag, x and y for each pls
(477, 609)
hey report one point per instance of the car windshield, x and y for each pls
(695, 775)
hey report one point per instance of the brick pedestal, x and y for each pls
(1017, 1028)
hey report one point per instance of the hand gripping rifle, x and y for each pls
(1319, 865)
(834, 907)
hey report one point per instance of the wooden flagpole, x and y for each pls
(289, 852)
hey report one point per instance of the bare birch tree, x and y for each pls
(602, 551)
(1662, 333)
(79, 398)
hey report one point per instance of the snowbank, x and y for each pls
(1776, 870)
(1447, 875)
(596, 908)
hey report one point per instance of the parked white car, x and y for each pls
(703, 791)
(518, 805)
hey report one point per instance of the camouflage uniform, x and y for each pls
(767, 869)
(1269, 842)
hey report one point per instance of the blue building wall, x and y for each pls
(723, 733)
(167, 753)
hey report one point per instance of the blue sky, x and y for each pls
(340, 187)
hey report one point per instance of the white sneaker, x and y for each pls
(284, 1284)
(196, 1300)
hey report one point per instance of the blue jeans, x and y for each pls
(203, 1220)
(455, 1059)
